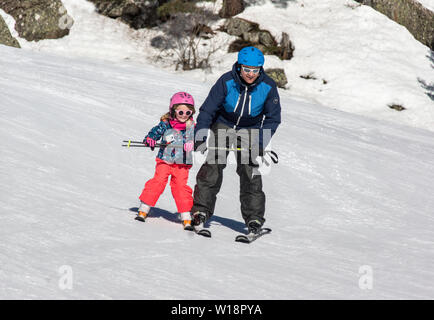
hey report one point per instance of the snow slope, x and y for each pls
(350, 194)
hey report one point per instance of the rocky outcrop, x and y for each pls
(38, 19)
(240, 27)
(250, 34)
(231, 8)
(287, 47)
(409, 13)
(136, 13)
(278, 75)
(5, 35)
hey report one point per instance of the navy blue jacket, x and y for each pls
(241, 106)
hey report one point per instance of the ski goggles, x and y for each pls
(181, 113)
(248, 70)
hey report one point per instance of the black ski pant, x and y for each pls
(210, 177)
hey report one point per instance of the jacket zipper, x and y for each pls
(238, 101)
(242, 109)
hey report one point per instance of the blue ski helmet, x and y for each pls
(251, 56)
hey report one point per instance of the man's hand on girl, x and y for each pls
(200, 145)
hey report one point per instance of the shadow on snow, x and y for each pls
(429, 87)
(215, 220)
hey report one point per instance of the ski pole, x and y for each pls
(131, 144)
(178, 146)
(130, 141)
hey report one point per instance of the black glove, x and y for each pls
(200, 145)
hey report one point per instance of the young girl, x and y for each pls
(176, 129)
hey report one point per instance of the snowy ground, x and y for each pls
(350, 202)
(362, 61)
(427, 4)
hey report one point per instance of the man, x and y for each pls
(243, 104)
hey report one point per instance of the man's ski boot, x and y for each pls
(199, 219)
(254, 226)
(255, 231)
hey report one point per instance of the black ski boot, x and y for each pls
(199, 219)
(255, 231)
(254, 226)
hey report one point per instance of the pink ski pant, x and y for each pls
(181, 192)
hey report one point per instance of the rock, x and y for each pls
(238, 44)
(287, 47)
(397, 107)
(136, 13)
(38, 19)
(231, 8)
(409, 13)
(5, 35)
(266, 38)
(262, 37)
(239, 27)
(115, 12)
(278, 75)
(250, 35)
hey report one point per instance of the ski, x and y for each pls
(205, 232)
(188, 228)
(141, 219)
(248, 238)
